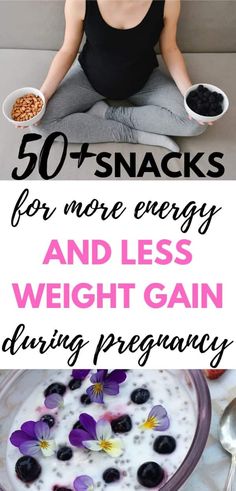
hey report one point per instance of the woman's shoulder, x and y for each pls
(77, 7)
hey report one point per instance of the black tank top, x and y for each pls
(118, 62)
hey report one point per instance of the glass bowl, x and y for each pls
(18, 384)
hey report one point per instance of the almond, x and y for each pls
(26, 107)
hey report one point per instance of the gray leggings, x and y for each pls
(157, 108)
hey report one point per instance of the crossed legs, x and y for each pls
(157, 110)
(66, 112)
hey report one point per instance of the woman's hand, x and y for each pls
(171, 54)
(26, 127)
(200, 122)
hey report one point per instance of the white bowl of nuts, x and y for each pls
(24, 107)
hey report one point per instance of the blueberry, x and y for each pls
(212, 98)
(74, 384)
(164, 444)
(27, 469)
(111, 475)
(218, 110)
(140, 396)
(49, 419)
(78, 426)
(123, 424)
(85, 399)
(189, 99)
(150, 474)
(55, 388)
(205, 102)
(194, 97)
(64, 453)
(204, 109)
(200, 88)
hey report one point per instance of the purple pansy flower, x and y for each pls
(33, 438)
(96, 436)
(157, 420)
(53, 401)
(83, 483)
(77, 437)
(80, 374)
(104, 383)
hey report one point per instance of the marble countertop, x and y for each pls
(212, 470)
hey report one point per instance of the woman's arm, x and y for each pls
(74, 15)
(171, 54)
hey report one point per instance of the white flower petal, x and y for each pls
(92, 445)
(103, 430)
(49, 450)
(116, 448)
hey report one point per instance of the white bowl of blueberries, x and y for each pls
(206, 103)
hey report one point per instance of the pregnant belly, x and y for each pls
(118, 82)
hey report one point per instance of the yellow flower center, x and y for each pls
(105, 444)
(43, 444)
(97, 388)
(150, 423)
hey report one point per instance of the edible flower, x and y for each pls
(83, 483)
(88, 431)
(53, 401)
(33, 438)
(80, 374)
(96, 436)
(104, 383)
(157, 420)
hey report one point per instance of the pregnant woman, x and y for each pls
(118, 62)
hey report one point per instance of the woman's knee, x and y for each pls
(45, 128)
(193, 128)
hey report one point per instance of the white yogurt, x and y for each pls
(165, 389)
